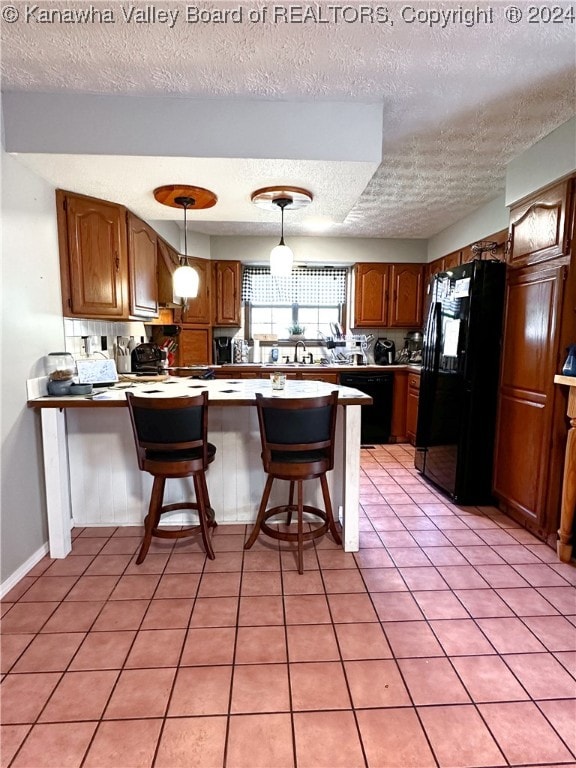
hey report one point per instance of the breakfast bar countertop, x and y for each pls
(221, 392)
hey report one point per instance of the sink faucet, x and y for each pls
(296, 349)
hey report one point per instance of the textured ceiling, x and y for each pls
(459, 101)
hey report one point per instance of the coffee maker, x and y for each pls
(384, 352)
(223, 350)
(148, 358)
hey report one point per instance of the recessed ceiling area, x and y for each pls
(457, 101)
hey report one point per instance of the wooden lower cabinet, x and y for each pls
(412, 406)
(195, 346)
(531, 427)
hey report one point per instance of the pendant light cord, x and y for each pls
(282, 226)
(185, 235)
(185, 202)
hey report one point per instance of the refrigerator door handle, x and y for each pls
(437, 333)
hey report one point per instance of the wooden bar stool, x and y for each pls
(297, 437)
(171, 441)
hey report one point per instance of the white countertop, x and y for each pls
(220, 392)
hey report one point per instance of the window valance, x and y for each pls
(306, 285)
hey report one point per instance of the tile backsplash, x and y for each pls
(76, 332)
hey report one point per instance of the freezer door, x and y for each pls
(443, 402)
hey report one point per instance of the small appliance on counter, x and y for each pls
(148, 358)
(413, 344)
(61, 368)
(384, 352)
(223, 350)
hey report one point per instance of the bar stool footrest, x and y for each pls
(190, 530)
(275, 533)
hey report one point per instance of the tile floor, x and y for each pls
(448, 640)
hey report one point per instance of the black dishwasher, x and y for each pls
(376, 418)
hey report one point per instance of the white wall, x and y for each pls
(485, 221)
(319, 250)
(551, 158)
(32, 326)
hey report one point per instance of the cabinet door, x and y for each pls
(93, 258)
(194, 346)
(451, 260)
(412, 406)
(522, 465)
(371, 295)
(227, 276)
(142, 267)
(167, 263)
(538, 230)
(197, 311)
(406, 303)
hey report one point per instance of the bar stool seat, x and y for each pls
(297, 436)
(171, 442)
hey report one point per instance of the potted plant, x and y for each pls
(296, 331)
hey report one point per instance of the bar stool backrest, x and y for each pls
(297, 424)
(169, 424)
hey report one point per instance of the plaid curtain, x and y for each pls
(306, 285)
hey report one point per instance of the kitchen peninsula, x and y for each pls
(90, 468)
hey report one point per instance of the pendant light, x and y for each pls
(281, 256)
(185, 278)
(272, 198)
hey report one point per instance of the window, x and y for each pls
(311, 297)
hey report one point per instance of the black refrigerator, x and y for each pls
(459, 380)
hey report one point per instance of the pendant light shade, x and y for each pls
(185, 282)
(281, 261)
(272, 198)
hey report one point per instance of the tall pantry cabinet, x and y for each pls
(539, 323)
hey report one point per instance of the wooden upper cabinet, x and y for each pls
(451, 260)
(538, 226)
(142, 259)
(405, 306)
(93, 257)
(371, 292)
(197, 311)
(168, 260)
(388, 295)
(226, 287)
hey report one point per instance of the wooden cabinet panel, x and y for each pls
(524, 461)
(371, 284)
(451, 260)
(197, 311)
(194, 346)
(399, 398)
(329, 378)
(168, 261)
(412, 406)
(227, 283)
(93, 257)
(406, 302)
(142, 260)
(538, 230)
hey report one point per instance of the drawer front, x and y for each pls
(413, 381)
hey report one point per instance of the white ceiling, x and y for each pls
(458, 103)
